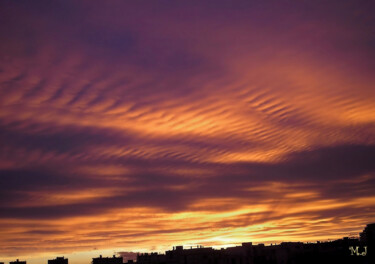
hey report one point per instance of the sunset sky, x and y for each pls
(134, 126)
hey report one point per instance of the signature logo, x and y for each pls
(355, 251)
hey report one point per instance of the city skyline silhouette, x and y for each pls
(360, 249)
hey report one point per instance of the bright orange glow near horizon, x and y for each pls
(135, 127)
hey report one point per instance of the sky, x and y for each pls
(135, 126)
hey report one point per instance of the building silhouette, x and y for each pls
(17, 262)
(58, 260)
(107, 260)
(368, 234)
(367, 237)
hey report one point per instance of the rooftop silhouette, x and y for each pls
(17, 262)
(58, 260)
(107, 260)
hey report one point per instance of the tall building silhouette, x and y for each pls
(367, 238)
(368, 234)
(58, 260)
